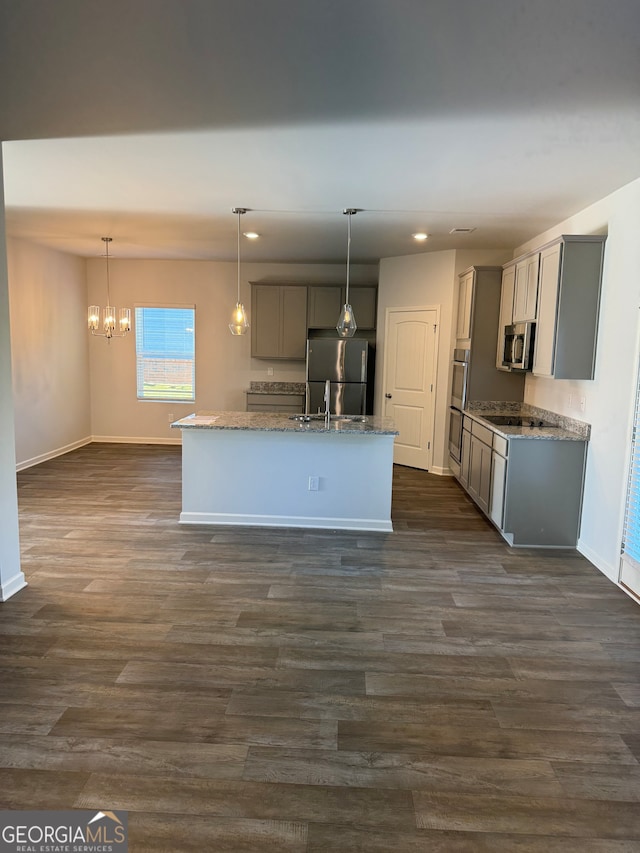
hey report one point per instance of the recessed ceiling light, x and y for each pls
(420, 236)
(461, 230)
(251, 235)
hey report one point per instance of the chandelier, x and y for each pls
(108, 313)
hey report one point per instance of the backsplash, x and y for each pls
(277, 387)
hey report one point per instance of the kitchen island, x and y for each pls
(268, 469)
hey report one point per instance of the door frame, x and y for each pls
(434, 376)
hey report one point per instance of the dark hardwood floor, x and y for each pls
(246, 689)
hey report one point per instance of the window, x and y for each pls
(629, 575)
(165, 353)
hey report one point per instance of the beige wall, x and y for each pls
(48, 309)
(609, 397)
(428, 280)
(224, 366)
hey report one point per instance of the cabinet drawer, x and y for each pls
(466, 423)
(483, 433)
(275, 403)
(500, 445)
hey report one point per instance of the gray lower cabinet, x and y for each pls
(286, 403)
(498, 484)
(480, 473)
(465, 457)
(543, 492)
(530, 488)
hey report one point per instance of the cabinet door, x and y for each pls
(465, 302)
(364, 304)
(543, 355)
(325, 304)
(525, 301)
(498, 482)
(506, 311)
(265, 322)
(465, 458)
(293, 322)
(480, 473)
(531, 301)
(279, 321)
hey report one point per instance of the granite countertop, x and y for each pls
(563, 429)
(275, 422)
(294, 388)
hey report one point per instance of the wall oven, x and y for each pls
(459, 378)
(459, 382)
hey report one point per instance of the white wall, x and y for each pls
(11, 576)
(48, 310)
(609, 398)
(429, 279)
(224, 366)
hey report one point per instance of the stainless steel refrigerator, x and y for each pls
(346, 363)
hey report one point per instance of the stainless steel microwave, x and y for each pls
(518, 345)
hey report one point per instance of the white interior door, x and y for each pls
(409, 382)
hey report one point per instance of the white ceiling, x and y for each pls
(149, 121)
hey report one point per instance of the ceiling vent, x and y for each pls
(461, 230)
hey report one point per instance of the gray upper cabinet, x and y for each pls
(465, 307)
(364, 299)
(569, 299)
(506, 311)
(326, 301)
(325, 304)
(477, 329)
(525, 296)
(279, 321)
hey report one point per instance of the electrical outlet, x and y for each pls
(171, 417)
(314, 483)
(269, 371)
(583, 403)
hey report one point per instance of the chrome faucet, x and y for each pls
(327, 402)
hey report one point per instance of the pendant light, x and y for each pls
(108, 312)
(347, 325)
(239, 324)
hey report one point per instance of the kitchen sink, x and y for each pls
(518, 421)
(357, 419)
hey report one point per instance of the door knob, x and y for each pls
(388, 396)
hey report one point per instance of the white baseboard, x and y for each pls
(59, 451)
(441, 472)
(10, 587)
(607, 570)
(222, 518)
(134, 439)
(105, 439)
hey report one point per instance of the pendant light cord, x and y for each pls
(348, 253)
(239, 215)
(107, 240)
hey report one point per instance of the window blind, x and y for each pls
(165, 353)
